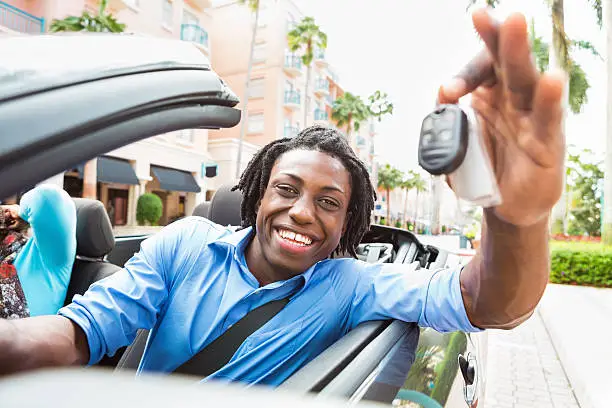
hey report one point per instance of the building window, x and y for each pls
(186, 135)
(257, 87)
(256, 123)
(259, 53)
(167, 13)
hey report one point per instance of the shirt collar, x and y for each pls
(239, 240)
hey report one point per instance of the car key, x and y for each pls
(450, 143)
(444, 140)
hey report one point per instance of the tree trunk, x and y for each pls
(306, 99)
(406, 207)
(437, 197)
(245, 111)
(90, 179)
(558, 59)
(607, 197)
(416, 210)
(388, 207)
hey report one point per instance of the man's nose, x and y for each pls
(302, 211)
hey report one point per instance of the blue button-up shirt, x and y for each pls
(190, 282)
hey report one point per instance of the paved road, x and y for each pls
(524, 370)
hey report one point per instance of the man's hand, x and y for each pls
(520, 113)
(521, 116)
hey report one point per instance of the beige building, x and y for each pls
(277, 85)
(152, 165)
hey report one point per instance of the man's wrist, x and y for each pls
(494, 224)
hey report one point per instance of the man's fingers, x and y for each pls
(488, 29)
(547, 111)
(517, 63)
(476, 72)
(545, 144)
(479, 71)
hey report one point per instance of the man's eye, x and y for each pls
(329, 204)
(286, 191)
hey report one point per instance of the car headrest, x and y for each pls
(202, 209)
(225, 207)
(94, 232)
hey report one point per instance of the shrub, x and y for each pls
(581, 264)
(398, 224)
(149, 209)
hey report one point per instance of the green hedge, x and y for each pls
(149, 209)
(581, 264)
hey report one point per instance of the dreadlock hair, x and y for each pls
(254, 180)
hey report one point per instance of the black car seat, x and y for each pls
(94, 236)
(202, 209)
(225, 207)
(224, 210)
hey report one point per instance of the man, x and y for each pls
(304, 199)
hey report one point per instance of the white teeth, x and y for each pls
(299, 238)
(303, 238)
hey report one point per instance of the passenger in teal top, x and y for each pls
(44, 263)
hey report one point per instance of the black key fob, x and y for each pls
(444, 140)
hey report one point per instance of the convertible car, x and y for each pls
(58, 111)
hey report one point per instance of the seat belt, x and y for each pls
(218, 352)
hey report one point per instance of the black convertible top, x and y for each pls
(36, 63)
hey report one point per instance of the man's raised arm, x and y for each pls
(520, 113)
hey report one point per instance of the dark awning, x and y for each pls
(175, 180)
(112, 170)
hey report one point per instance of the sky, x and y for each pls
(407, 48)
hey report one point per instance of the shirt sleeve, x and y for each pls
(52, 215)
(113, 309)
(397, 291)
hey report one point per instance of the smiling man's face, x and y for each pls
(301, 216)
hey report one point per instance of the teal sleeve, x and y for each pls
(52, 215)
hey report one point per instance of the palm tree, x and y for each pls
(349, 111)
(418, 184)
(379, 105)
(102, 22)
(407, 184)
(253, 5)
(389, 178)
(307, 36)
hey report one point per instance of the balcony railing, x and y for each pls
(320, 114)
(330, 100)
(293, 61)
(361, 141)
(194, 33)
(18, 20)
(322, 85)
(290, 131)
(292, 97)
